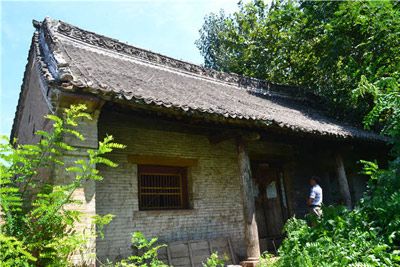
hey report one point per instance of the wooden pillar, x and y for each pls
(343, 183)
(251, 231)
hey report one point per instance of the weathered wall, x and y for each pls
(321, 162)
(33, 107)
(303, 159)
(214, 181)
(304, 166)
(31, 112)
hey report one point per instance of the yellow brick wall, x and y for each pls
(215, 189)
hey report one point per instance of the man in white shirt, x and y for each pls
(315, 199)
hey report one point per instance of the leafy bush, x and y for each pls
(215, 261)
(39, 218)
(147, 253)
(267, 259)
(341, 238)
(13, 252)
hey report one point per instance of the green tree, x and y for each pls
(325, 47)
(38, 226)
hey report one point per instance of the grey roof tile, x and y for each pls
(105, 66)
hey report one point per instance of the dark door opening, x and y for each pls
(271, 205)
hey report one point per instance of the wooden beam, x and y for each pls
(162, 161)
(226, 135)
(221, 136)
(342, 179)
(251, 230)
(66, 99)
(250, 136)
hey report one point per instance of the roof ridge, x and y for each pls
(108, 43)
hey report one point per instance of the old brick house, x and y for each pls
(209, 155)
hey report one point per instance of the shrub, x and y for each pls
(341, 238)
(13, 252)
(215, 261)
(146, 253)
(38, 219)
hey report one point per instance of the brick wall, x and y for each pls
(33, 107)
(215, 193)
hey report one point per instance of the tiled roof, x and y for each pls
(76, 59)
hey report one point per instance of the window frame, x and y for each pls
(147, 169)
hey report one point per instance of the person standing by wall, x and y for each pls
(314, 200)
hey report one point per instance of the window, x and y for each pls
(162, 187)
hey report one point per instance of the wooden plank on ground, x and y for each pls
(169, 256)
(233, 258)
(179, 250)
(200, 251)
(185, 261)
(195, 252)
(190, 254)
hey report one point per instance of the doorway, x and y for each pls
(270, 203)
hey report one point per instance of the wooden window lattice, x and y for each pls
(162, 187)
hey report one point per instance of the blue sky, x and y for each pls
(168, 27)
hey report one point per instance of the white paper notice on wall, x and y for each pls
(271, 190)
